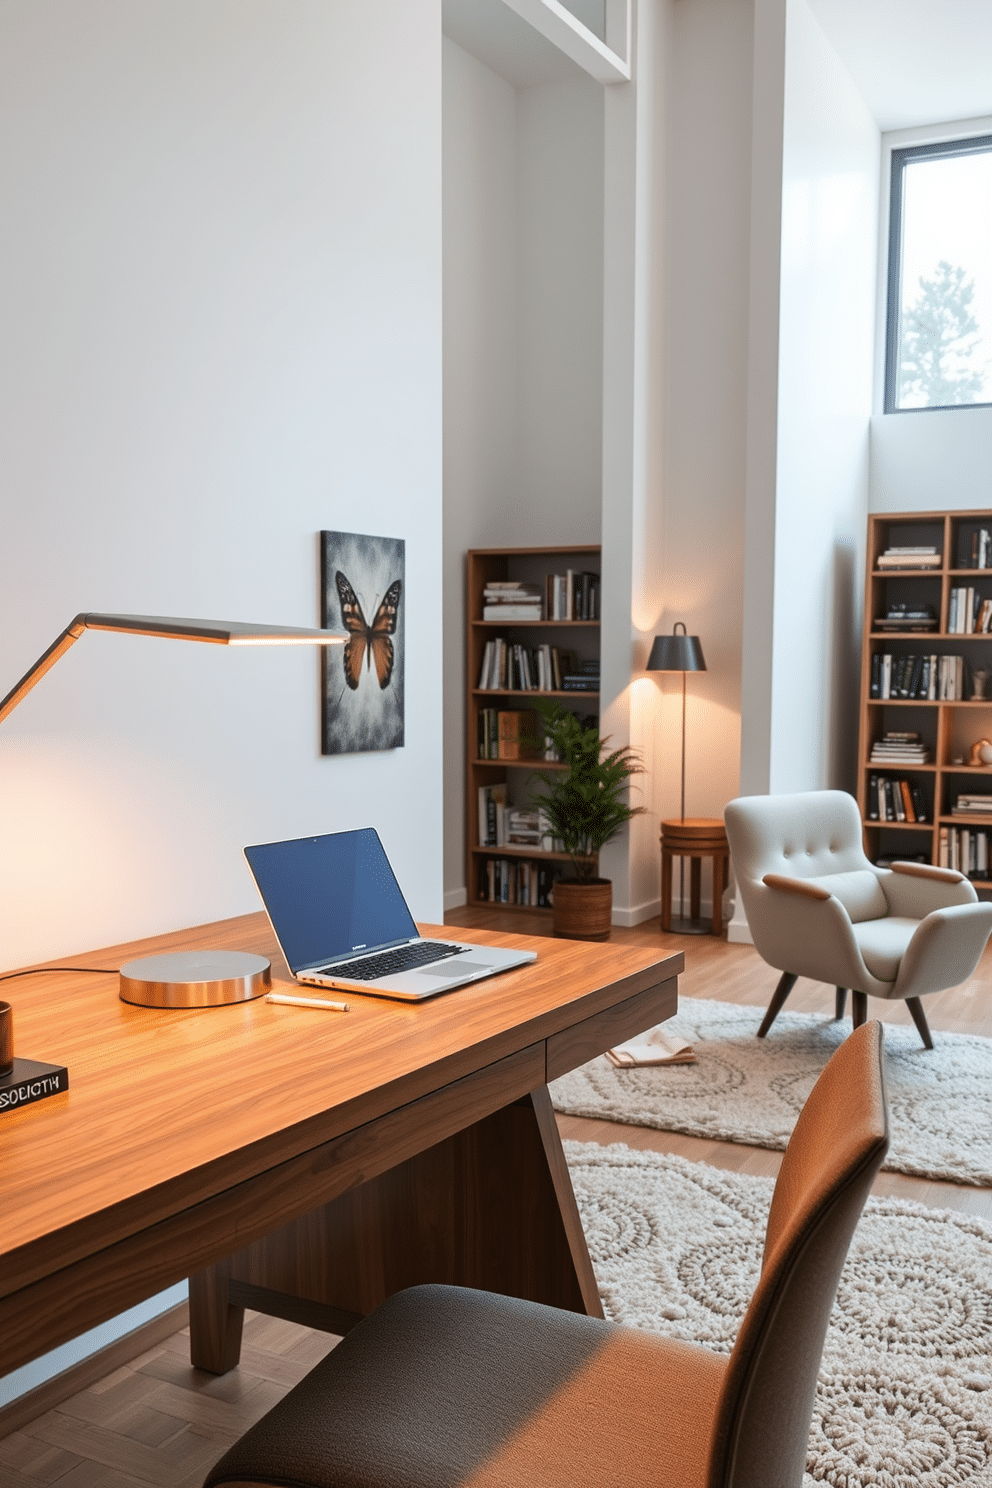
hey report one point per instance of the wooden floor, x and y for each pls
(157, 1421)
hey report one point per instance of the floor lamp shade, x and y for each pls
(676, 653)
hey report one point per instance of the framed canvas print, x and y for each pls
(362, 592)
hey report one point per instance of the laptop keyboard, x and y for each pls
(388, 963)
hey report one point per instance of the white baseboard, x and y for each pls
(739, 931)
(636, 916)
(455, 898)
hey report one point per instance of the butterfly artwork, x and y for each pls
(362, 683)
(371, 641)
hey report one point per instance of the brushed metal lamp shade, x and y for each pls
(676, 653)
(183, 979)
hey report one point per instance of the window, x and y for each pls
(939, 330)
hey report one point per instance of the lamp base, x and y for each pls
(195, 979)
(683, 925)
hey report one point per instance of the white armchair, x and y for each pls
(817, 907)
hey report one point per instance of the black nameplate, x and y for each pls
(30, 1081)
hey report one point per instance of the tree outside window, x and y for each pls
(940, 277)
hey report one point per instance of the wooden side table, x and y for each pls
(695, 838)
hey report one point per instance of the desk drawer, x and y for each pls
(595, 1035)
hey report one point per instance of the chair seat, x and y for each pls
(883, 943)
(442, 1386)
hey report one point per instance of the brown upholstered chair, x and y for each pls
(443, 1386)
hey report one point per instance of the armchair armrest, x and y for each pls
(944, 950)
(802, 928)
(927, 870)
(795, 886)
(916, 895)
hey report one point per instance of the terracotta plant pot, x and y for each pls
(581, 908)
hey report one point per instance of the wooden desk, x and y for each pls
(303, 1163)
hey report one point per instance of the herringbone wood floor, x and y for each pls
(156, 1421)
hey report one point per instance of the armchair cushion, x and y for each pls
(883, 943)
(858, 890)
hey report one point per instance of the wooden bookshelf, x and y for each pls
(947, 726)
(580, 637)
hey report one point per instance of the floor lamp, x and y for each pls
(186, 978)
(683, 653)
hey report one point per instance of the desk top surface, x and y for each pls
(171, 1106)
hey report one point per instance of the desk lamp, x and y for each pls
(678, 653)
(186, 978)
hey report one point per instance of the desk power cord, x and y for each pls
(8, 976)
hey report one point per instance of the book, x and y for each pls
(511, 612)
(516, 735)
(30, 1081)
(654, 1047)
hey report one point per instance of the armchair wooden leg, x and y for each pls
(840, 1002)
(920, 1019)
(859, 1008)
(785, 985)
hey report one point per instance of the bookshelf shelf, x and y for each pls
(902, 660)
(536, 624)
(531, 692)
(515, 876)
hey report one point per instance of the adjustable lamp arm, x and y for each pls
(215, 632)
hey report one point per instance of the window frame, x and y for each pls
(901, 156)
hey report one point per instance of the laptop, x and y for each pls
(341, 921)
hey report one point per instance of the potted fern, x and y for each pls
(585, 807)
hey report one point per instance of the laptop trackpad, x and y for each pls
(456, 968)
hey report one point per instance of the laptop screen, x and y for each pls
(330, 896)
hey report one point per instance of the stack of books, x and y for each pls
(508, 666)
(895, 800)
(512, 599)
(527, 828)
(493, 815)
(572, 596)
(968, 613)
(972, 806)
(507, 735)
(964, 849)
(981, 550)
(907, 617)
(584, 678)
(910, 557)
(899, 748)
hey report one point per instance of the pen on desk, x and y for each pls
(308, 1002)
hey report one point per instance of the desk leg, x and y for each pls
(490, 1207)
(215, 1323)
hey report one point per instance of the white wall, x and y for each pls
(221, 255)
(678, 204)
(480, 375)
(523, 231)
(829, 210)
(559, 313)
(221, 334)
(931, 460)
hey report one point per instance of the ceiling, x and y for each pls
(914, 61)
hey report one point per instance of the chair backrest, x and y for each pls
(833, 1155)
(811, 834)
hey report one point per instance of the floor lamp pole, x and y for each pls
(682, 809)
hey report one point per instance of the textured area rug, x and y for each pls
(745, 1089)
(905, 1393)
